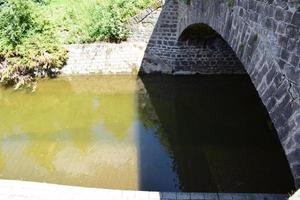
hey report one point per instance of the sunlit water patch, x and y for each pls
(199, 133)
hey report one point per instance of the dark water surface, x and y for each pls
(163, 133)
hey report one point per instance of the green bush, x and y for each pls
(28, 46)
(17, 18)
(108, 24)
(109, 19)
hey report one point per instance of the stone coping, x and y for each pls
(23, 190)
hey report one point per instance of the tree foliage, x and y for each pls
(28, 46)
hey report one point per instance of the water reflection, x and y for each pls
(70, 134)
(160, 133)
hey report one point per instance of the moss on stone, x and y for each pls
(229, 3)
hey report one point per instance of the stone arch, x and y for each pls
(256, 38)
(264, 35)
(203, 50)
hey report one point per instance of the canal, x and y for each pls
(155, 133)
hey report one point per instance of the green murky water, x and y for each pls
(199, 133)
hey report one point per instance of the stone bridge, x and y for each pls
(258, 37)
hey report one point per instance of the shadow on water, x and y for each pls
(216, 136)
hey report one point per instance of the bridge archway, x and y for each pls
(202, 50)
(264, 36)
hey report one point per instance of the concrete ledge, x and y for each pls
(21, 190)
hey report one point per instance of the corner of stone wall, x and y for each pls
(110, 58)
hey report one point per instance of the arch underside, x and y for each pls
(202, 50)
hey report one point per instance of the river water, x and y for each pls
(155, 133)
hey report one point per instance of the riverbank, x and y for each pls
(114, 58)
(33, 33)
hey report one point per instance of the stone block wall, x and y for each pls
(213, 58)
(160, 53)
(104, 58)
